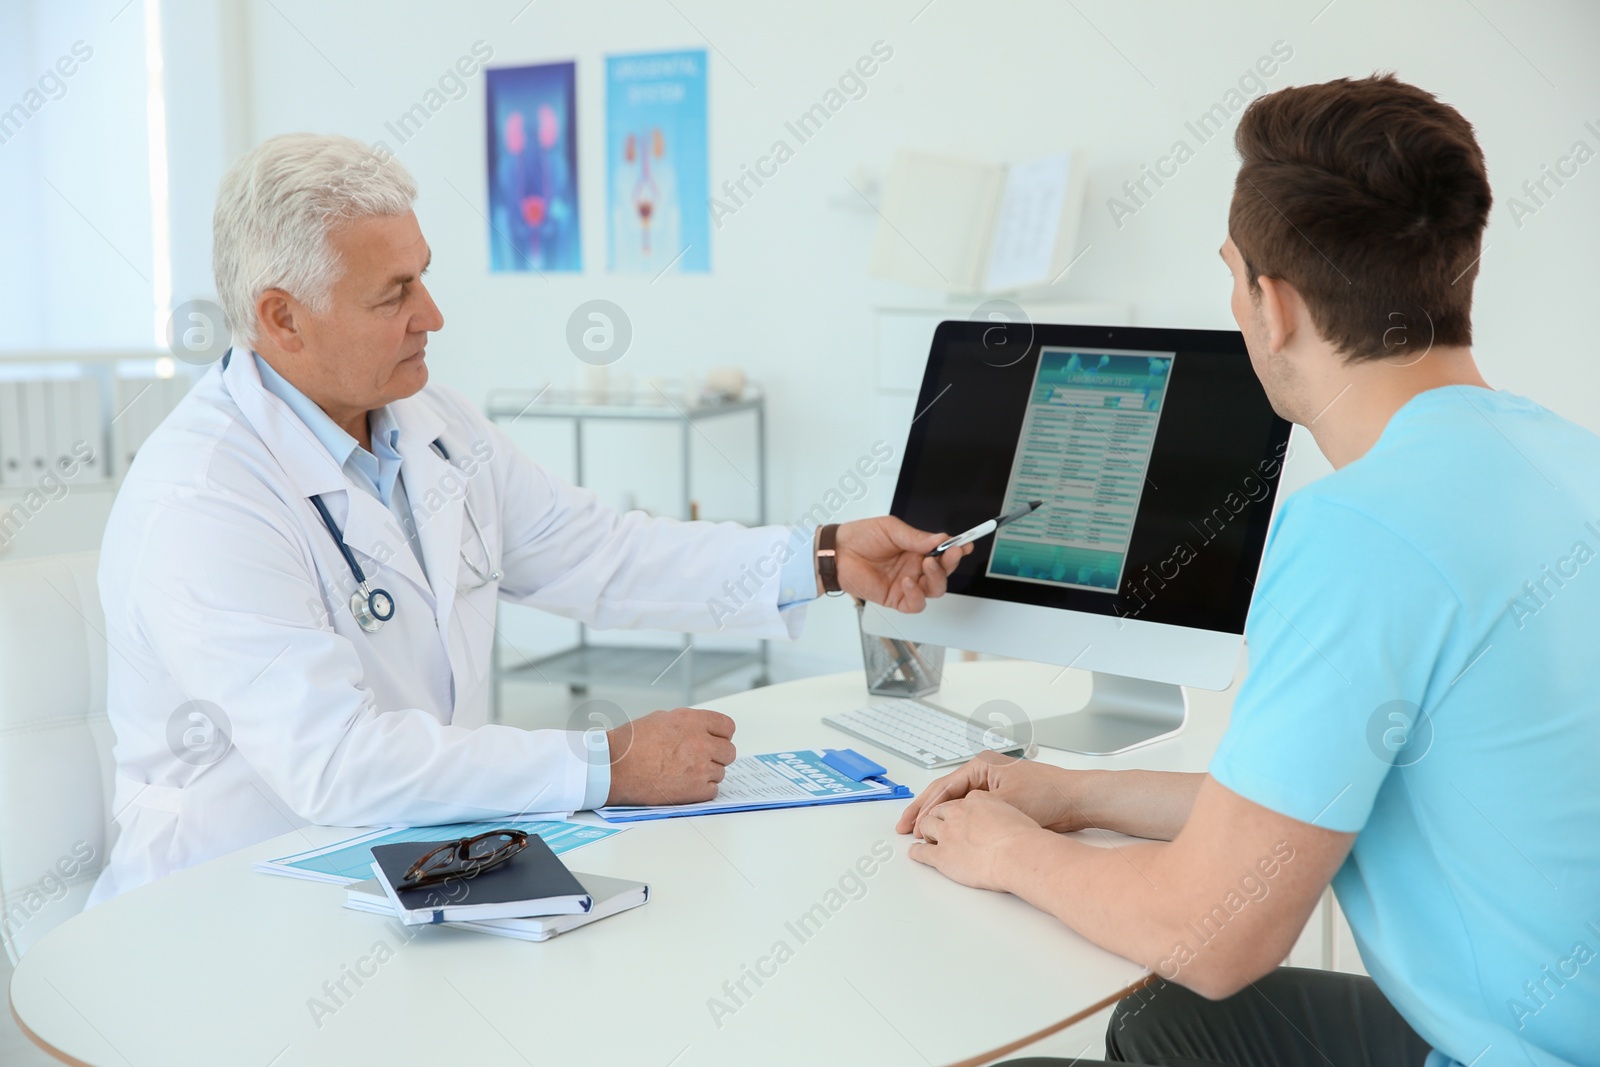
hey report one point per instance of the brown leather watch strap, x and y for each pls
(828, 558)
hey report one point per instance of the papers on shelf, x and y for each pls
(962, 226)
(349, 861)
(1027, 223)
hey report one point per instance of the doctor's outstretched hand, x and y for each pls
(885, 561)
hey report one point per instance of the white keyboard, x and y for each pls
(920, 732)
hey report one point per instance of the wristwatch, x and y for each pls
(828, 558)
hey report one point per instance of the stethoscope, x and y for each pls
(374, 607)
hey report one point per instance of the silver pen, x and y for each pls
(987, 527)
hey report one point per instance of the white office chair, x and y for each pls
(55, 744)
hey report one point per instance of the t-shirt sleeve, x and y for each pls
(1346, 632)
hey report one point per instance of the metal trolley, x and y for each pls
(585, 663)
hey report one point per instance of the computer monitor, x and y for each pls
(1158, 457)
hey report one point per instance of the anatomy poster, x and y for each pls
(658, 189)
(533, 169)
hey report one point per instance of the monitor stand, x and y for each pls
(1121, 713)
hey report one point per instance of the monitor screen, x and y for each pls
(1155, 453)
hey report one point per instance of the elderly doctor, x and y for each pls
(300, 571)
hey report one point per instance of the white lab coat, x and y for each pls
(221, 585)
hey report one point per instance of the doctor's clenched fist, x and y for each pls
(670, 757)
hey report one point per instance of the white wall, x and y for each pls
(207, 65)
(789, 297)
(76, 264)
(19, 183)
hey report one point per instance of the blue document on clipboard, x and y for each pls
(799, 778)
(344, 862)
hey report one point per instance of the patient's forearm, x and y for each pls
(1117, 897)
(1150, 804)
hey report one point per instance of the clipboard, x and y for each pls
(828, 775)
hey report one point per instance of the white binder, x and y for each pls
(35, 429)
(966, 227)
(133, 400)
(174, 390)
(61, 422)
(90, 420)
(13, 458)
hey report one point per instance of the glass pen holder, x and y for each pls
(899, 668)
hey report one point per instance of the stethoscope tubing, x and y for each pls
(374, 607)
(338, 539)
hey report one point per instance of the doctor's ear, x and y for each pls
(278, 313)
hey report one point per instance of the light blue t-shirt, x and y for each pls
(1425, 672)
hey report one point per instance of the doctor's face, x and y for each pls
(369, 347)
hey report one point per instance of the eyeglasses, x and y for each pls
(466, 858)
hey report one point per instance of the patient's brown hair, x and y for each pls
(1370, 197)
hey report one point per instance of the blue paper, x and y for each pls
(350, 861)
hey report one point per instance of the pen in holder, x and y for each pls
(899, 668)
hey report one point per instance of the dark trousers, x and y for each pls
(1291, 1017)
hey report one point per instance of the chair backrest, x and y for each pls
(56, 766)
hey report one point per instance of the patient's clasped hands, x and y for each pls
(979, 821)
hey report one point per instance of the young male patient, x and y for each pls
(1421, 717)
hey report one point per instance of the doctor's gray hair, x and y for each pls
(276, 208)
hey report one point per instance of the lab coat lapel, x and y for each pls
(435, 488)
(372, 531)
(306, 463)
(369, 528)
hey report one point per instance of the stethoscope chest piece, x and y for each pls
(374, 607)
(371, 609)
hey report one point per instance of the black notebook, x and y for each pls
(534, 882)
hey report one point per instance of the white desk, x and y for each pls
(217, 964)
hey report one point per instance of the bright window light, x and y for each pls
(155, 98)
